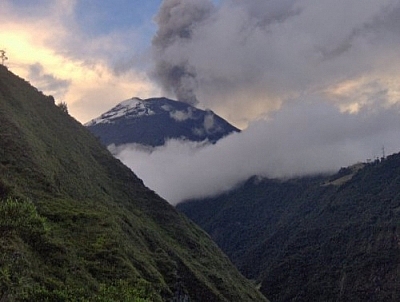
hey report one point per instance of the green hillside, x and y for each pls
(77, 225)
(313, 239)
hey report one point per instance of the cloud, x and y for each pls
(181, 115)
(300, 139)
(244, 59)
(209, 122)
(46, 45)
(48, 82)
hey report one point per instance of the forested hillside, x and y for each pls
(77, 225)
(313, 239)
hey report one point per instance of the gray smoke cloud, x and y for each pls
(176, 21)
(244, 59)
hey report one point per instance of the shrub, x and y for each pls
(63, 106)
(19, 217)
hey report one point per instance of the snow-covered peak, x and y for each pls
(154, 121)
(130, 103)
(134, 107)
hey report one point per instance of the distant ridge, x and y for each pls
(319, 238)
(77, 225)
(153, 121)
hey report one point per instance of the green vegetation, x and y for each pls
(77, 225)
(313, 239)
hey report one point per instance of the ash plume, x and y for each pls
(176, 21)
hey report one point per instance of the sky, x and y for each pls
(314, 84)
(89, 54)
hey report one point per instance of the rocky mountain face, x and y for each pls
(77, 225)
(153, 121)
(313, 239)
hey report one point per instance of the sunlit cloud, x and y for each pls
(50, 49)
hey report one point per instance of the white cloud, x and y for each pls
(181, 115)
(209, 122)
(297, 140)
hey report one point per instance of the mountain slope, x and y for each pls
(77, 225)
(153, 121)
(313, 239)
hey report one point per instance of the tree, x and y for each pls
(63, 106)
(3, 56)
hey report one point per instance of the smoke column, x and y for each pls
(176, 21)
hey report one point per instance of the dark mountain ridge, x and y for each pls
(313, 239)
(153, 121)
(77, 225)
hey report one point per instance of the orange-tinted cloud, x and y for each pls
(51, 51)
